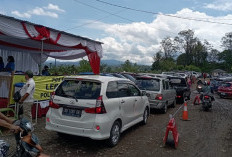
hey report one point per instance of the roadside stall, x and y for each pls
(31, 45)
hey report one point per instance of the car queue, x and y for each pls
(102, 106)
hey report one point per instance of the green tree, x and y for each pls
(182, 59)
(169, 47)
(227, 41)
(129, 67)
(157, 58)
(187, 41)
(84, 66)
(226, 58)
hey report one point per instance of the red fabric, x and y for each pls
(94, 61)
(3, 102)
(41, 111)
(44, 32)
(27, 48)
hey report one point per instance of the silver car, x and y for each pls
(97, 107)
(159, 92)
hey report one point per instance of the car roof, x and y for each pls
(96, 77)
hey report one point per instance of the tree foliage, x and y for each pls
(227, 41)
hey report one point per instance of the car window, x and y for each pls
(133, 90)
(123, 90)
(177, 82)
(79, 89)
(148, 84)
(112, 90)
(163, 85)
(166, 85)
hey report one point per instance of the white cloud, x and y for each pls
(23, 15)
(139, 41)
(221, 5)
(44, 11)
(2, 12)
(54, 7)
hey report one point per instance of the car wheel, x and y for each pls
(145, 116)
(114, 134)
(165, 108)
(173, 104)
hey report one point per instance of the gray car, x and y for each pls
(159, 92)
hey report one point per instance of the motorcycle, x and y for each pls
(206, 101)
(27, 143)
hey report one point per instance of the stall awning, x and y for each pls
(24, 36)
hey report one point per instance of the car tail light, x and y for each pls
(159, 97)
(53, 105)
(98, 109)
(206, 97)
(178, 96)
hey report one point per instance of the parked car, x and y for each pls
(117, 75)
(128, 76)
(159, 93)
(98, 107)
(182, 89)
(225, 90)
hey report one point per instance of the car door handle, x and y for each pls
(136, 100)
(122, 101)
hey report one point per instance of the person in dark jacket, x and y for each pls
(45, 71)
(10, 66)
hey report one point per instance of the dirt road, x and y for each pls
(206, 134)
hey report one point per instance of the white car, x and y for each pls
(98, 107)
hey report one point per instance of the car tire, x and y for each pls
(145, 116)
(173, 104)
(164, 109)
(114, 134)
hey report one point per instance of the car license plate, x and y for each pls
(223, 93)
(71, 112)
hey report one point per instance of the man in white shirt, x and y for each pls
(27, 93)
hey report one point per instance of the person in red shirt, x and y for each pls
(204, 75)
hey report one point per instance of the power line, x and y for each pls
(87, 23)
(113, 14)
(150, 12)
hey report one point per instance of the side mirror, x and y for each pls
(144, 93)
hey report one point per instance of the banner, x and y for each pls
(44, 85)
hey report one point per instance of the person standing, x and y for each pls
(27, 93)
(45, 71)
(1, 64)
(204, 75)
(10, 66)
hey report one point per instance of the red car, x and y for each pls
(225, 90)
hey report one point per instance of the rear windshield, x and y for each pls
(226, 84)
(177, 81)
(79, 89)
(148, 84)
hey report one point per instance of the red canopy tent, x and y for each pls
(43, 42)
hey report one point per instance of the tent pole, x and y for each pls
(40, 69)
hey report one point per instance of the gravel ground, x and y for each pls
(205, 134)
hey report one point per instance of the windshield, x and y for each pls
(79, 89)
(148, 84)
(177, 82)
(226, 85)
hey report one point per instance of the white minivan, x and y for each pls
(98, 107)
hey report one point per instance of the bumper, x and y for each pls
(90, 133)
(154, 104)
(224, 94)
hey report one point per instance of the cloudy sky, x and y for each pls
(126, 33)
